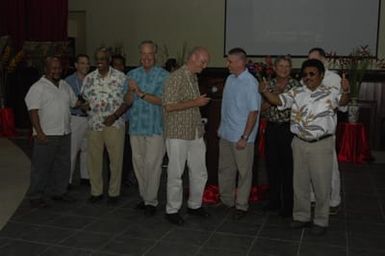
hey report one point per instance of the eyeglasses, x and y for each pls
(310, 74)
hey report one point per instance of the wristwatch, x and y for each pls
(244, 137)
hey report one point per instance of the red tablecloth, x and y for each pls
(352, 143)
(7, 122)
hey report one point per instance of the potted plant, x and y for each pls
(355, 66)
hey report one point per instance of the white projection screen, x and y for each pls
(280, 27)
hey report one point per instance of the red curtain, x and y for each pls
(37, 20)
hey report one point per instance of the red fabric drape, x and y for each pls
(37, 20)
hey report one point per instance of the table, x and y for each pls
(352, 143)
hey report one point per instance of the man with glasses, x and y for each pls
(313, 123)
(331, 80)
(184, 136)
(104, 90)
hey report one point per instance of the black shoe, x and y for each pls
(271, 206)
(39, 203)
(85, 182)
(95, 199)
(239, 214)
(174, 218)
(150, 210)
(285, 213)
(112, 199)
(140, 206)
(201, 212)
(318, 230)
(296, 224)
(64, 198)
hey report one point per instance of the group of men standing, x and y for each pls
(86, 114)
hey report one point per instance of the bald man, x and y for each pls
(184, 136)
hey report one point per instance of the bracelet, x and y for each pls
(244, 137)
(345, 92)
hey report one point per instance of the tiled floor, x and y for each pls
(84, 229)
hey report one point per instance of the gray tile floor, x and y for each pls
(81, 228)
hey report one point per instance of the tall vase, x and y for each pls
(353, 111)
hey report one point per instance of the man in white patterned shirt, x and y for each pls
(332, 80)
(104, 89)
(313, 122)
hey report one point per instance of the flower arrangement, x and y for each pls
(261, 70)
(355, 65)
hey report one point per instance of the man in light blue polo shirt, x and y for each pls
(237, 131)
(146, 125)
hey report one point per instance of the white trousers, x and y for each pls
(79, 128)
(180, 151)
(147, 157)
(335, 193)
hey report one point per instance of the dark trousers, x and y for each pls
(51, 165)
(279, 165)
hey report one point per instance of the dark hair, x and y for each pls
(283, 57)
(118, 57)
(313, 63)
(81, 55)
(319, 50)
(238, 51)
(170, 64)
(106, 51)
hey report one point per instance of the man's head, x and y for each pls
(282, 66)
(118, 62)
(317, 53)
(312, 72)
(236, 60)
(103, 58)
(52, 68)
(82, 64)
(148, 51)
(197, 60)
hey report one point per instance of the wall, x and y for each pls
(168, 22)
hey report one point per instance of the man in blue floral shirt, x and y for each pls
(146, 125)
(104, 89)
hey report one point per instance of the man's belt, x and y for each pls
(315, 140)
(79, 115)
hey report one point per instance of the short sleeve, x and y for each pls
(33, 97)
(161, 83)
(287, 99)
(170, 92)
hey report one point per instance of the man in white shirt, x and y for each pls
(48, 102)
(332, 80)
(313, 123)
